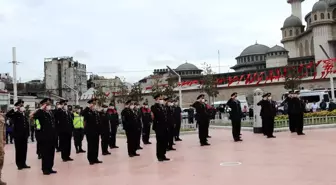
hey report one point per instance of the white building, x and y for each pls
(59, 71)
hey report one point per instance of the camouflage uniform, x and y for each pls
(2, 143)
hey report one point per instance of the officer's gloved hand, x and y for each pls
(15, 109)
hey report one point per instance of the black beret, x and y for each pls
(145, 103)
(128, 102)
(269, 94)
(290, 92)
(200, 96)
(77, 107)
(92, 100)
(297, 92)
(104, 106)
(45, 100)
(264, 95)
(19, 102)
(234, 94)
(63, 101)
(168, 99)
(111, 104)
(157, 95)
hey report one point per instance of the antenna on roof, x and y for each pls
(256, 42)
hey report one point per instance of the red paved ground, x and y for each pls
(288, 159)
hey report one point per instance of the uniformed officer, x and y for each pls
(170, 123)
(38, 136)
(177, 119)
(114, 123)
(64, 123)
(129, 121)
(2, 144)
(105, 130)
(47, 135)
(160, 127)
(146, 116)
(92, 129)
(137, 111)
(236, 115)
(291, 111)
(298, 112)
(202, 119)
(21, 133)
(262, 103)
(54, 111)
(78, 132)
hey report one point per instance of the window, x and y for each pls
(322, 15)
(290, 32)
(285, 33)
(328, 15)
(297, 32)
(311, 99)
(326, 97)
(315, 17)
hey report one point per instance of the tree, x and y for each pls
(157, 87)
(100, 95)
(292, 78)
(136, 92)
(168, 90)
(209, 82)
(122, 92)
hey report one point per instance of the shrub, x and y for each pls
(310, 114)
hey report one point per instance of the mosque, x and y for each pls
(301, 45)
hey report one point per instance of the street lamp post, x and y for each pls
(331, 75)
(180, 85)
(76, 103)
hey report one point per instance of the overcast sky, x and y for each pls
(130, 38)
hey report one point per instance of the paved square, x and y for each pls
(289, 159)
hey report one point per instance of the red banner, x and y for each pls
(271, 75)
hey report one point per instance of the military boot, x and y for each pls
(2, 183)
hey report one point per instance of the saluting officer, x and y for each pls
(114, 123)
(129, 121)
(21, 133)
(202, 119)
(291, 111)
(47, 135)
(146, 116)
(268, 113)
(177, 120)
(105, 130)
(160, 127)
(78, 132)
(298, 112)
(236, 115)
(92, 129)
(170, 123)
(262, 103)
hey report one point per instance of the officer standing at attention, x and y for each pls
(263, 103)
(268, 114)
(298, 112)
(78, 132)
(177, 119)
(160, 126)
(291, 110)
(21, 133)
(105, 130)
(2, 144)
(129, 121)
(146, 116)
(54, 111)
(170, 123)
(47, 135)
(114, 123)
(64, 123)
(236, 115)
(92, 129)
(202, 119)
(137, 111)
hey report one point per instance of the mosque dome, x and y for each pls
(255, 49)
(292, 21)
(332, 2)
(320, 6)
(276, 48)
(186, 67)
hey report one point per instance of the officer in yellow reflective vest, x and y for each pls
(37, 136)
(78, 132)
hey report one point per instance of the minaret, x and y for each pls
(296, 8)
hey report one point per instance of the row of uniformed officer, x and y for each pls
(20, 132)
(267, 113)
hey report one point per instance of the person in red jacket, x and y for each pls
(146, 116)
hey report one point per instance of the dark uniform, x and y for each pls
(146, 122)
(21, 129)
(267, 113)
(137, 111)
(92, 129)
(114, 123)
(57, 136)
(262, 103)
(202, 119)
(170, 124)
(47, 136)
(105, 131)
(64, 123)
(235, 116)
(289, 101)
(298, 108)
(177, 119)
(129, 121)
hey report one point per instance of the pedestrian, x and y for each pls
(38, 136)
(78, 133)
(2, 144)
(263, 105)
(105, 130)
(177, 120)
(160, 127)
(92, 129)
(146, 116)
(32, 130)
(235, 116)
(48, 136)
(9, 131)
(202, 119)
(64, 123)
(191, 114)
(129, 122)
(21, 129)
(114, 123)
(137, 112)
(170, 123)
